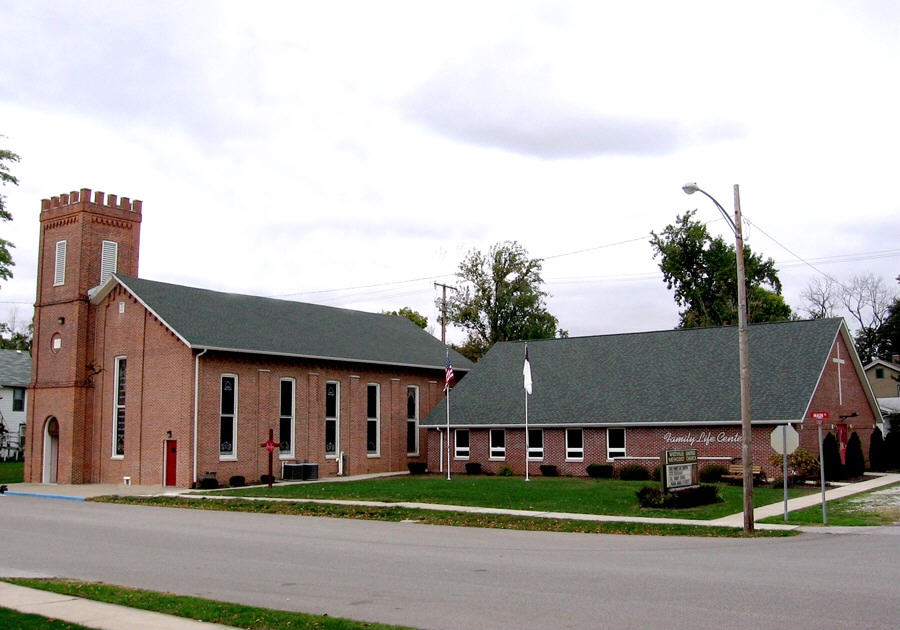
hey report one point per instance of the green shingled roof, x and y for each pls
(675, 376)
(245, 323)
(15, 368)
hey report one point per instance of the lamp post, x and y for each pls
(743, 351)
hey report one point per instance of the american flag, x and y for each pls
(449, 374)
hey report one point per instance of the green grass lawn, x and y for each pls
(12, 472)
(544, 494)
(397, 514)
(15, 620)
(191, 607)
(876, 507)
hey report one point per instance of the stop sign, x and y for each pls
(785, 439)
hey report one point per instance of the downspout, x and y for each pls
(196, 406)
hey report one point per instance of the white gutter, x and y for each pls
(196, 406)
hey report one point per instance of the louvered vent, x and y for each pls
(59, 268)
(108, 260)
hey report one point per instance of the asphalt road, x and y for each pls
(441, 577)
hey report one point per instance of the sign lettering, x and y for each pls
(705, 438)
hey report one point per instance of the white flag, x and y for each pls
(526, 371)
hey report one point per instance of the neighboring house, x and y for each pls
(155, 383)
(624, 399)
(15, 374)
(884, 377)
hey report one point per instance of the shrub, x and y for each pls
(877, 461)
(549, 470)
(634, 472)
(505, 471)
(801, 463)
(264, 479)
(856, 463)
(473, 468)
(834, 469)
(656, 473)
(892, 446)
(417, 468)
(600, 471)
(237, 481)
(653, 497)
(712, 473)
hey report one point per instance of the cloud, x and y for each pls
(138, 64)
(518, 108)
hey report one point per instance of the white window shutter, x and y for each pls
(59, 267)
(108, 260)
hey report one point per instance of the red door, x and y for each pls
(171, 460)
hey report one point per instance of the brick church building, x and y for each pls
(623, 399)
(154, 383)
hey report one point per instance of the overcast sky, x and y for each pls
(352, 153)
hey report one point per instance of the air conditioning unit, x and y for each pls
(299, 472)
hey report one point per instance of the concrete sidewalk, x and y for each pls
(877, 480)
(91, 613)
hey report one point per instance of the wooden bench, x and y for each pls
(736, 473)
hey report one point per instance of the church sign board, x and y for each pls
(679, 469)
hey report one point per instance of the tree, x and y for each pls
(868, 300)
(415, 317)
(6, 261)
(889, 333)
(877, 453)
(834, 469)
(499, 298)
(821, 298)
(702, 271)
(13, 339)
(856, 463)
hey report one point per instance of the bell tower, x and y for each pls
(83, 241)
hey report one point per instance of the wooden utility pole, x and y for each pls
(444, 287)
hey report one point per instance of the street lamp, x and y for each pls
(743, 352)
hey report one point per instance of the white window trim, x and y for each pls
(377, 419)
(578, 455)
(59, 264)
(288, 454)
(619, 453)
(109, 259)
(234, 420)
(491, 449)
(534, 458)
(115, 414)
(457, 449)
(414, 420)
(336, 418)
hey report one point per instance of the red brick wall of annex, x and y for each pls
(838, 400)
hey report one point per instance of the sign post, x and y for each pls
(270, 445)
(818, 416)
(785, 441)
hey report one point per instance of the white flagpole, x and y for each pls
(526, 437)
(448, 434)
(526, 382)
